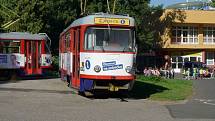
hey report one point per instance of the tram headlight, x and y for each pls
(128, 69)
(97, 68)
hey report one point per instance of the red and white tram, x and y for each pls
(98, 52)
(24, 53)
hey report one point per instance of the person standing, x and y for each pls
(201, 73)
(194, 73)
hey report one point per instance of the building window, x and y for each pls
(209, 35)
(178, 61)
(184, 35)
(210, 58)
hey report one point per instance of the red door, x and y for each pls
(33, 55)
(76, 59)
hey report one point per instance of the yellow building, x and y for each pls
(191, 37)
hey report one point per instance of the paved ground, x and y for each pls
(202, 104)
(51, 100)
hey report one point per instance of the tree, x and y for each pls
(52, 17)
(213, 3)
(47, 16)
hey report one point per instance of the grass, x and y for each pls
(156, 88)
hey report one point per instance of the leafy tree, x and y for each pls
(52, 17)
(48, 16)
(213, 3)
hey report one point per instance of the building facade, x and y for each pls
(191, 38)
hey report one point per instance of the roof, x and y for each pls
(22, 35)
(90, 19)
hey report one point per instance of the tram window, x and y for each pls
(110, 39)
(89, 41)
(1, 47)
(68, 40)
(9, 46)
(47, 50)
(100, 37)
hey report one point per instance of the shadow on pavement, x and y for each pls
(141, 90)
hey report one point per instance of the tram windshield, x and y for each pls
(109, 39)
(9, 46)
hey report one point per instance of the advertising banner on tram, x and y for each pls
(11, 61)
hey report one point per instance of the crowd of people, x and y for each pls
(188, 73)
(195, 73)
(149, 71)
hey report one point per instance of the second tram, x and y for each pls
(24, 54)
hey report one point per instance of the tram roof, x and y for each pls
(90, 19)
(22, 35)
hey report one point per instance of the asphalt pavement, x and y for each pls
(52, 100)
(201, 105)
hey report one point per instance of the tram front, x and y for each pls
(109, 54)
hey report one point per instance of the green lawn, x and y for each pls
(156, 88)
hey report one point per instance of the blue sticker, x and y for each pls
(87, 64)
(111, 66)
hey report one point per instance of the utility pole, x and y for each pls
(83, 6)
(108, 6)
(114, 5)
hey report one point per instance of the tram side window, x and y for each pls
(89, 39)
(47, 50)
(67, 41)
(9, 46)
(1, 47)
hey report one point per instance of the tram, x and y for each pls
(98, 52)
(24, 54)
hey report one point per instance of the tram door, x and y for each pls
(33, 55)
(76, 59)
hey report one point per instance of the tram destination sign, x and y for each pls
(115, 21)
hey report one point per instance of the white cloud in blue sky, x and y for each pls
(169, 2)
(165, 2)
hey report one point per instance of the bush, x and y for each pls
(55, 63)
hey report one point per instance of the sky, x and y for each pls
(169, 2)
(165, 2)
